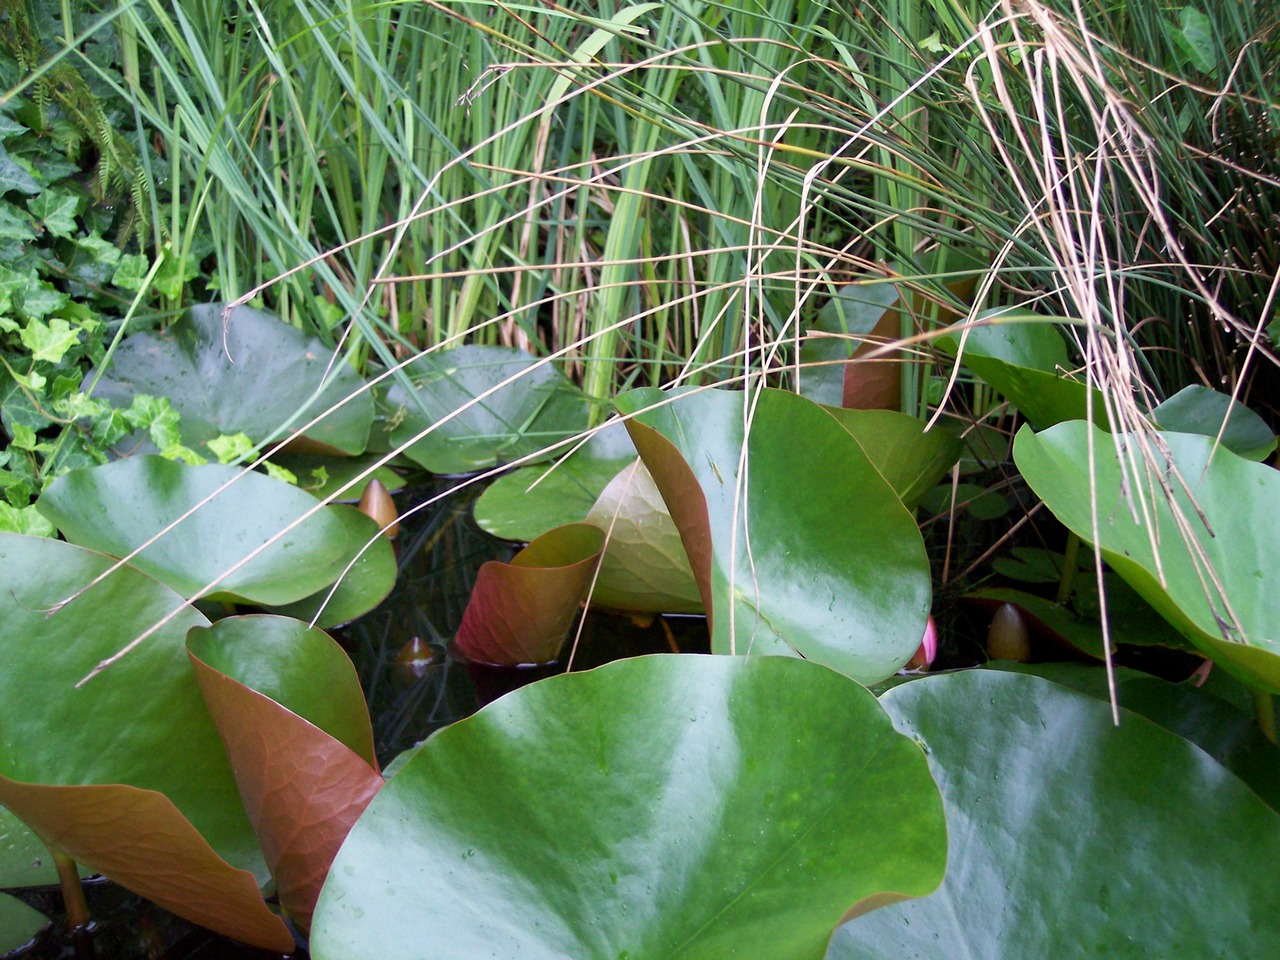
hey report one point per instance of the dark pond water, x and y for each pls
(414, 687)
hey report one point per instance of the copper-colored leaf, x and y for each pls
(143, 842)
(519, 612)
(302, 786)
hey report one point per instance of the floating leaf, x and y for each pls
(1221, 729)
(290, 710)
(118, 506)
(520, 612)
(528, 502)
(19, 924)
(123, 771)
(1072, 838)
(1239, 538)
(908, 457)
(658, 807)
(1197, 409)
(1023, 357)
(828, 563)
(244, 375)
(473, 428)
(361, 588)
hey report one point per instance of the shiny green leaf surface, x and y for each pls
(1238, 539)
(526, 503)
(122, 771)
(659, 807)
(828, 563)
(363, 586)
(483, 406)
(908, 457)
(116, 507)
(19, 923)
(1023, 357)
(238, 374)
(1197, 409)
(1071, 838)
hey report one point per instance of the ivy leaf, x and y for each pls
(12, 285)
(25, 520)
(132, 272)
(14, 224)
(56, 209)
(41, 300)
(230, 447)
(49, 342)
(13, 176)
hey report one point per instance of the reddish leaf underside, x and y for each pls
(140, 840)
(684, 498)
(520, 612)
(302, 788)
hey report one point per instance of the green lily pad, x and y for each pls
(520, 612)
(1219, 728)
(1236, 629)
(644, 568)
(526, 503)
(122, 772)
(1072, 838)
(24, 859)
(290, 710)
(472, 428)
(361, 588)
(334, 478)
(658, 807)
(908, 457)
(19, 923)
(118, 506)
(242, 375)
(1197, 409)
(828, 563)
(1022, 356)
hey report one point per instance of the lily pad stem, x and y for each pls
(1264, 709)
(1069, 566)
(72, 890)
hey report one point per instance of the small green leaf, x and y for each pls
(131, 273)
(1194, 37)
(1197, 409)
(26, 520)
(14, 176)
(49, 342)
(14, 224)
(230, 448)
(56, 209)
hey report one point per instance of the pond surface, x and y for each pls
(414, 686)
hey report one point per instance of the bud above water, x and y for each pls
(1007, 637)
(377, 505)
